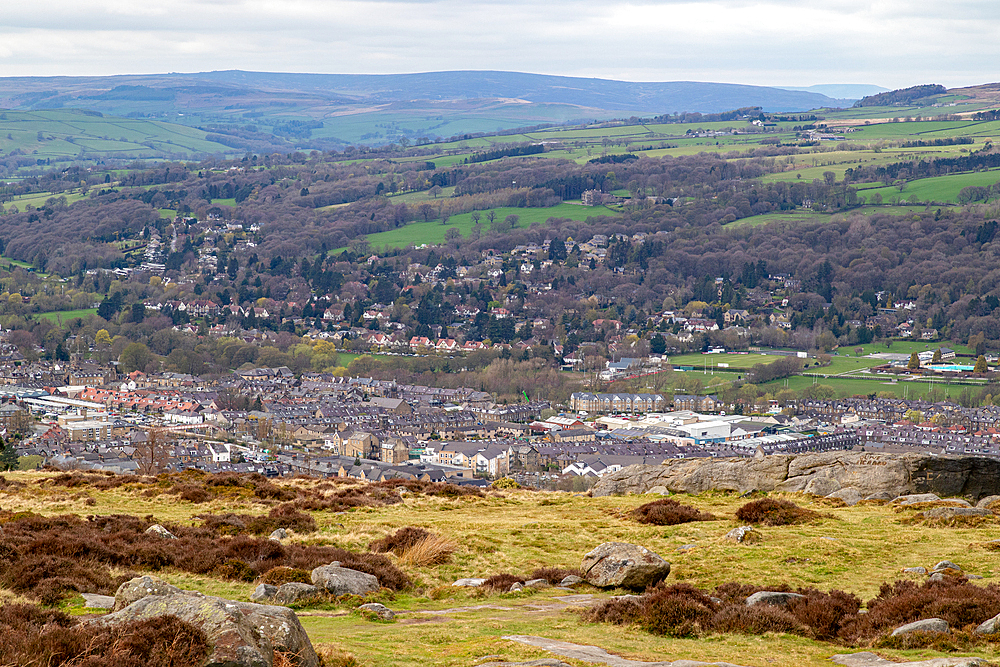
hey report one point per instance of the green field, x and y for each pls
(741, 362)
(797, 217)
(943, 189)
(853, 387)
(62, 135)
(67, 315)
(433, 232)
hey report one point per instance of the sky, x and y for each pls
(891, 43)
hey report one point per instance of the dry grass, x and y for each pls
(431, 550)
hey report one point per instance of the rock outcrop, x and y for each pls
(241, 634)
(897, 474)
(625, 565)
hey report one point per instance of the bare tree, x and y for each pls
(153, 454)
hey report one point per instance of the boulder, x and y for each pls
(571, 580)
(742, 534)
(987, 502)
(954, 512)
(773, 598)
(95, 601)
(867, 659)
(822, 486)
(516, 587)
(619, 564)
(537, 583)
(293, 592)
(870, 473)
(160, 531)
(278, 535)
(989, 627)
(914, 498)
(946, 565)
(381, 610)
(914, 570)
(263, 593)
(469, 582)
(659, 490)
(924, 625)
(241, 634)
(140, 587)
(880, 497)
(849, 495)
(344, 581)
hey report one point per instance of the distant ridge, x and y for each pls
(227, 87)
(846, 91)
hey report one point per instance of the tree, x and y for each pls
(936, 359)
(152, 455)
(452, 234)
(657, 345)
(914, 362)
(981, 366)
(135, 357)
(8, 457)
(102, 338)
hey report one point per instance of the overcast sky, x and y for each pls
(891, 43)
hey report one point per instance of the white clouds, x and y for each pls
(889, 42)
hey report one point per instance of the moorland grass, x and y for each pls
(518, 532)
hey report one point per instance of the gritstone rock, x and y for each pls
(344, 581)
(773, 598)
(263, 592)
(278, 535)
(849, 495)
(241, 634)
(293, 592)
(869, 473)
(383, 612)
(469, 582)
(742, 534)
(625, 565)
(160, 531)
(140, 587)
(925, 625)
(822, 486)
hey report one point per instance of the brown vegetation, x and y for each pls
(774, 512)
(668, 512)
(51, 557)
(36, 636)
(681, 610)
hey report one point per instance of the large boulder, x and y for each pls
(773, 598)
(923, 625)
(619, 564)
(293, 592)
(241, 634)
(140, 587)
(344, 581)
(897, 474)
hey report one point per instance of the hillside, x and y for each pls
(318, 110)
(512, 532)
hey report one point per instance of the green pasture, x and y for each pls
(742, 362)
(904, 347)
(39, 199)
(63, 316)
(73, 134)
(421, 196)
(936, 189)
(433, 232)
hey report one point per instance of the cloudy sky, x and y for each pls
(892, 43)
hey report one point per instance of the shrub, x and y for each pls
(400, 541)
(757, 620)
(277, 576)
(553, 575)
(668, 512)
(774, 512)
(35, 636)
(680, 610)
(501, 583)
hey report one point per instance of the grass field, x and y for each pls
(69, 134)
(433, 232)
(860, 387)
(742, 362)
(67, 315)
(854, 549)
(799, 217)
(943, 189)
